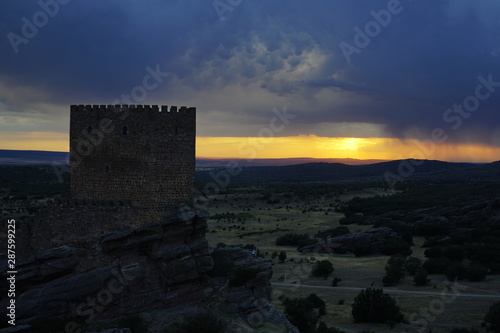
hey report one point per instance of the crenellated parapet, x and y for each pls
(130, 107)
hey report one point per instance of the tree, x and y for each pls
(455, 270)
(317, 303)
(282, 256)
(412, 265)
(274, 255)
(436, 265)
(393, 246)
(322, 268)
(492, 318)
(300, 313)
(421, 278)
(375, 306)
(476, 272)
(395, 270)
(335, 281)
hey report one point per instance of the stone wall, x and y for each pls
(141, 153)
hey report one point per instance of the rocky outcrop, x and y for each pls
(245, 278)
(373, 238)
(158, 265)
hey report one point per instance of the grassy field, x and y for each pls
(245, 217)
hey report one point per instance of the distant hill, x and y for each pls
(294, 170)
(210, 163)
(428, 170)
(32, 157)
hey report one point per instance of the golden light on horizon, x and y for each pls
(301, 146)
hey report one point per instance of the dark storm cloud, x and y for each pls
(428, 57)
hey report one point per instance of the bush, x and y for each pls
(351, 219)
(412, 265)
(375, 306)
(454, 252)
(317, 303)
(322, 268)
(335, 281)
(396, 267)
(394, 246)
(434, 252)
(306, 242)
(340, 231)
(464, 330)
(430, 229)
(282, 256)
(476, 272)
(455, 270)
(421, 278)
(436, 265)
(492, 318)
(362, 250)
(390, 280)
(323, 328)
(300, 313)
(291, 239)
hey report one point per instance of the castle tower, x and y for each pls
(140, 154)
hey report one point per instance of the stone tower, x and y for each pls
(139, 154)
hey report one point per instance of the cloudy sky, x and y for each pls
(324, 78)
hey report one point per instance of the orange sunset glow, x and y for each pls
(311, 146)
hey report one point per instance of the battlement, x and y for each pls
(132, 155)
(127, 107)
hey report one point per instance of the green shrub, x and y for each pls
(412, 265)
(492, 318)
(300, 313)
(362, 250)
(351, 219)
(454, 252)
(306, 242)
(317, 303)
(389, 280)
(436, 265)
(322, 268)
(291, 239)
(455, 270)
(464, 330)
(434, 252)
(394, 246)
(430, 229)
(396, 267)
(336, 281)
(421, 278)
(476, 272)
(340, 231)
(375, 306)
